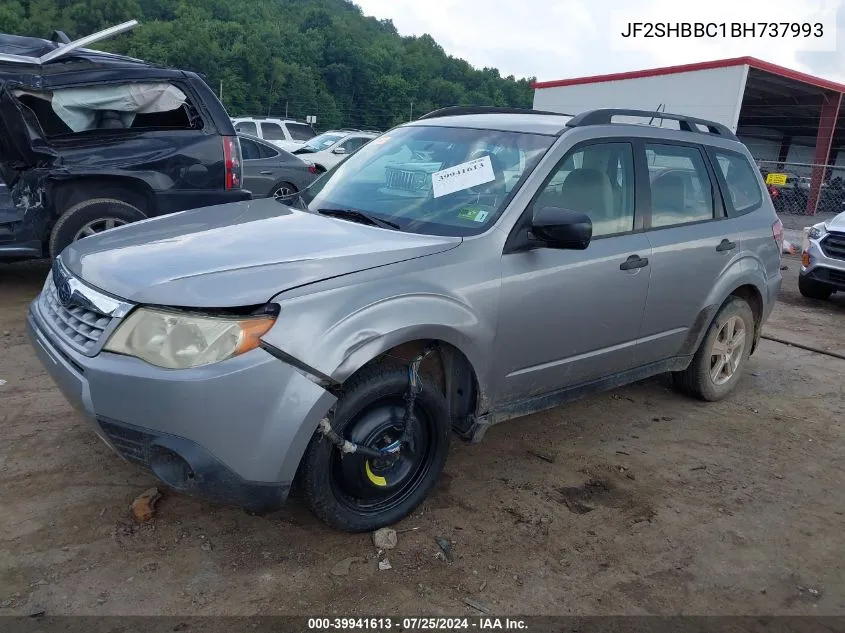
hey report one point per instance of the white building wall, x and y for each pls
(761, 148)
(714, 94)
(763, 143)
(799, 152)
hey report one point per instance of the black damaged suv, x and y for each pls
(90, 141)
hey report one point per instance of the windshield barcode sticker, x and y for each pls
(470, 174)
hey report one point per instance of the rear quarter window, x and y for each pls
(111, 108)
(272, 132)
(265, 151)
(738, 181)
(300, 131)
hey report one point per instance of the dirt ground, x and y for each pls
(641, 502)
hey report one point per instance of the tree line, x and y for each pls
(277, 57)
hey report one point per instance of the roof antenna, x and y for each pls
(651, 120)
(659, 105)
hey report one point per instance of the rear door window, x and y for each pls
(738, 180)
(272, 131)
(681, 191)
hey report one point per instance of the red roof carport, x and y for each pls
(793, 103)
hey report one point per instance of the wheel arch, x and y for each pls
(66, 193)
(744, 286)
(278, 183)
(448, 367)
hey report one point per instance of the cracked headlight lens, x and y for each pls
(817, 232)
(175, 340)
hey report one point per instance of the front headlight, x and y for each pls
(175, 340)
(816, 232)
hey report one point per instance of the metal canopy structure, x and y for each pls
(781, 104)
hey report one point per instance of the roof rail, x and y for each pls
(686, 123)
(465, 110)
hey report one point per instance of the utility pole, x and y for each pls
(286, 110)
(412, 111)
(270, 96)
(220, 96)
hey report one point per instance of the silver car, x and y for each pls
(823, 259)
(473, 266)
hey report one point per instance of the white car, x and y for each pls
(329, 148)
(283, 133)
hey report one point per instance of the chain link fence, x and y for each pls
(789, 186)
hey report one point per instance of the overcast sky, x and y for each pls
(556, 39)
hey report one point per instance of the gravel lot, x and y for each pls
(641, 501)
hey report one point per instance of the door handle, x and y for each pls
(634, 261)
(266, 172)
(726, 245)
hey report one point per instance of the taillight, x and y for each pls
(313, 168)
(774, 192)
(232, 158)
(777, 232)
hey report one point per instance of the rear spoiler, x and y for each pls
(65, 48)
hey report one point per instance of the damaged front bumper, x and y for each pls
(233, 432)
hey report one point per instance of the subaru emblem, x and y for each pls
(63, 290)
(64, 293)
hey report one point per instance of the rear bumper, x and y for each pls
(233, 432)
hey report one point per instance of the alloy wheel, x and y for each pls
(727, 350)
(98, 226)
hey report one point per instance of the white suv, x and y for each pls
(329, 148)
(284, 133)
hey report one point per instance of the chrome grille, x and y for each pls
(82, 328)
(405, 179)
(833, 245)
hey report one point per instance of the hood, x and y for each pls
(237, 254)
(837, 223)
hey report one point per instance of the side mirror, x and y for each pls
(339, 150)
(562, 228)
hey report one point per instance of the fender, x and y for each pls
(337, 331)
(743, 271)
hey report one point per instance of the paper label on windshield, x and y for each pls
(471, 174)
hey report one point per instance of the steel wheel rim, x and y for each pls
(345, 467)
(283, 192)
(98, 226)
(727, 350)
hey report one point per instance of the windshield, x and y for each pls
(322, 142)
(433, 180)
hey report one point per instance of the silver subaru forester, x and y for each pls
(473, 266)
